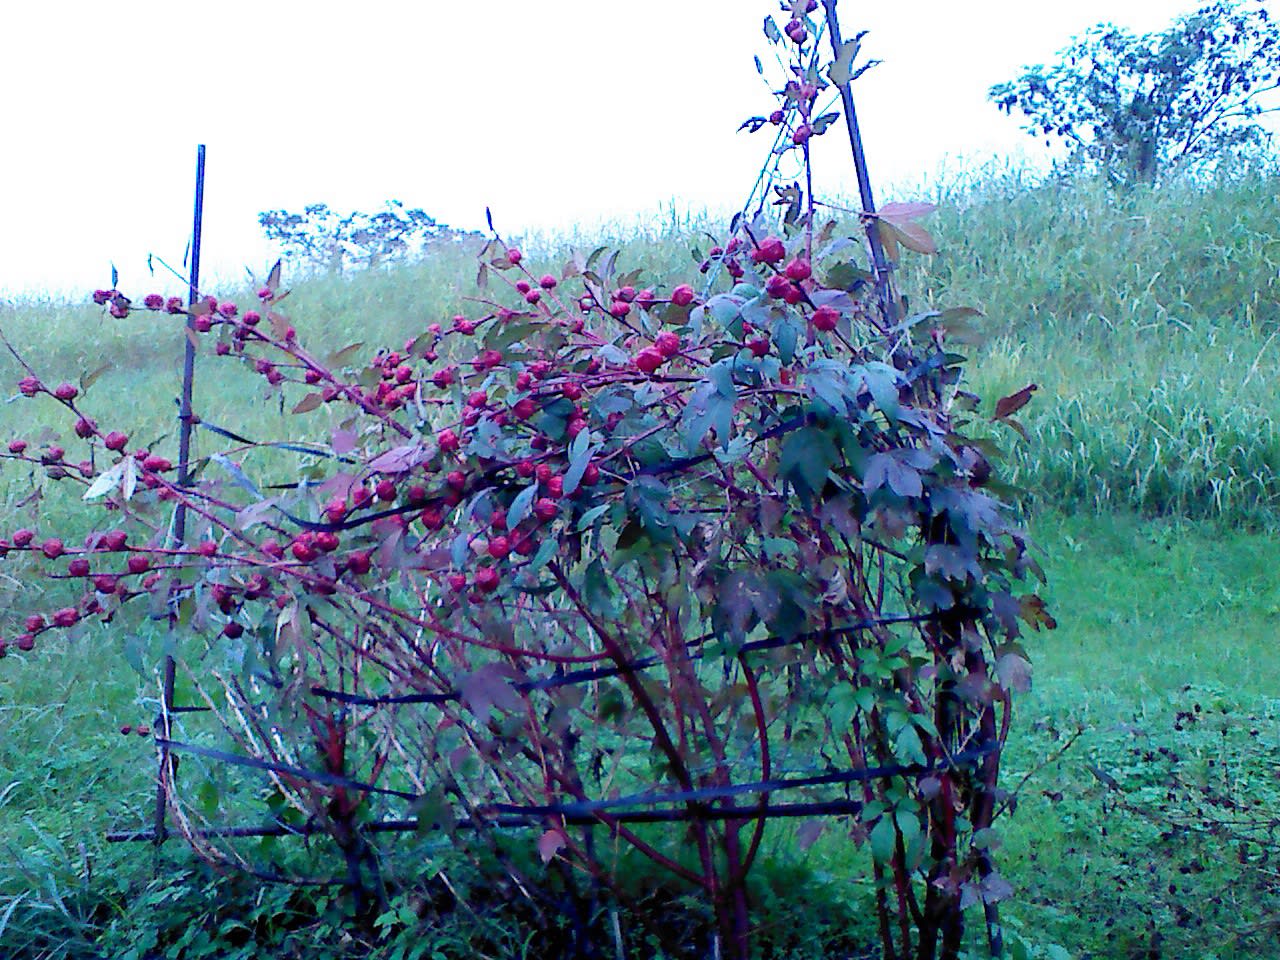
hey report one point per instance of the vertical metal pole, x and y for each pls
(879, 263)
(184, 479)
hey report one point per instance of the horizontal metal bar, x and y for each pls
(779, 811)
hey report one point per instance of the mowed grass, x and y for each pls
(1148, 320)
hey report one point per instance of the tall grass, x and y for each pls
(1149, 318)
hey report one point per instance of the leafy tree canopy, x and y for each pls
(1133, 106)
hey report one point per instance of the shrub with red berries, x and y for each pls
(750, 512)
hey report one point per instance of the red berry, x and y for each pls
(487, 579)
(524, 469)
(360, 562)
(66, 617)
(104, 583)
(448, 441)
(326, 541)
(499, 547)
(78, 567)
(514, 255)
(619, 309)
(792, 294)
(802, 134)
(302, 551)
(591, 475)
(545, 509)
(770, 250)
(649, 360)
(29, 386)
(625, 294)
(544, 472)
(17, 446)
(478, 398)
(555, 487)
(525, 408)
(34, 623)
(386, 490)
(232, 629)
(457, 582)
(825, 318)
(138, 563)
(23, 537)
(432, 518)
(548, 282)
(66, 391)
(798, 269)
(457, 480)
(667, 344)
(52, 548)
(111, 540)
(26, 643)
(115, 440)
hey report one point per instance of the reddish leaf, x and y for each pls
(1014, 402)
(308, 403)
(399, 459)
(551, 843)
(905, 212)
(344, 441)
(913, 236)
(809, 832)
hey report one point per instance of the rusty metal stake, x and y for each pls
(165, 722)
(879, 262)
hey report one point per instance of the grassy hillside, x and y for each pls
(1151, 322)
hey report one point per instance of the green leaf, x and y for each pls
(882, 381)
(805, 458)
(108, 480)
(841, 70)
(882, 840)
(579, 457)
(590, 517)
(545, 553)
(340, 357)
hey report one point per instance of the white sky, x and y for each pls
(553, 113)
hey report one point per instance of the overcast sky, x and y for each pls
(553, 113)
